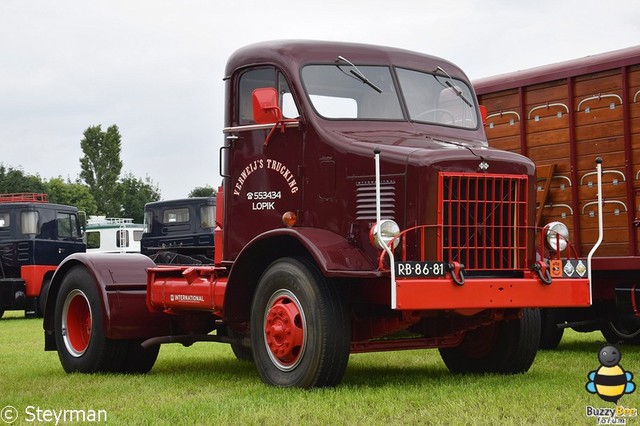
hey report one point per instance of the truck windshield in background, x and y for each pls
(336, 93)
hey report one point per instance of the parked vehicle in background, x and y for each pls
(180, 231)
(361, 209)
(112, 235)
(563, 116)
(35, 236)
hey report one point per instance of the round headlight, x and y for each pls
(557, 236)
(383, 232)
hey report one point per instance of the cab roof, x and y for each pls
(292, 54)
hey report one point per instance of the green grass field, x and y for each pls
(205, 384)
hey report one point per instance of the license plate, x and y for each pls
(420, 269)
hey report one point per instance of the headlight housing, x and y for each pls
(383, 232)
(557, 236)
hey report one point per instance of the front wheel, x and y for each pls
(507, 347)
(300, 332)
(82, 345)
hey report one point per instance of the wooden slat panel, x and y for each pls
(598, 133)
(548, 122)
(592, 84)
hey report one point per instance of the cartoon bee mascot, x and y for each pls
(610, 381)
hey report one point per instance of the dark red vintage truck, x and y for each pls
(563, 116)
(361, 209)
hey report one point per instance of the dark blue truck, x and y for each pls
(35, 236)
(179, 231)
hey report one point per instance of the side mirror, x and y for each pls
(265, 106)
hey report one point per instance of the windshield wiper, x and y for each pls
(448, 84)
(358, 74)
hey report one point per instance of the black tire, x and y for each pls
(81, 343)
(507, 347)
(300, 332)
(550, 333)
(139, 360)
(1, 312)
(625, 331)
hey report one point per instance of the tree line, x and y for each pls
(101, 188)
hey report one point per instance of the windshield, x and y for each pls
(437, 99)
(338, 91)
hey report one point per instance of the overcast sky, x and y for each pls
(154, 68)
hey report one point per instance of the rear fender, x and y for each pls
(334, 256)
(121, 280)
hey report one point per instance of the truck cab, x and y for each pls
(35, 236)
(179, 231)
(112, 235)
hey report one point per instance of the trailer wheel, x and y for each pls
(550, 333)
(626, 330)
(507, 347)
(300, 331)
(82, 345)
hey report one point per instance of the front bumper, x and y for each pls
(486, 293)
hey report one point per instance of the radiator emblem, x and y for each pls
(483, 166)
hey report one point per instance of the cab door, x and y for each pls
(262, 156)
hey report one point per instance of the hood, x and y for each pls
(441, 153)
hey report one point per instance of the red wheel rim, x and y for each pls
(284, 330)
(76, 323)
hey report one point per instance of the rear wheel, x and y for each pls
(300, 331)
(82, 345)
(507, 347)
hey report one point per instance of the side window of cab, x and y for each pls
(257, 78)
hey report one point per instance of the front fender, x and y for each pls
(334, 256)
(121, 280)
(332, 253)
